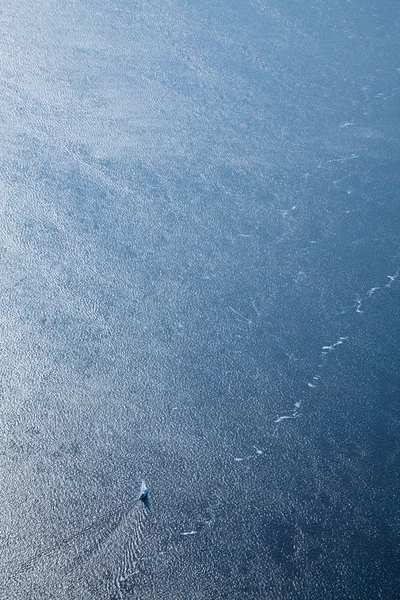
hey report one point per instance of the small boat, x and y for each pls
(144, 493)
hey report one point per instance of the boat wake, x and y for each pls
(99, 561)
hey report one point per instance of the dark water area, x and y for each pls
(199, 287)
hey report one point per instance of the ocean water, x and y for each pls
(199, 287)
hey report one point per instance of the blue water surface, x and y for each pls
(199, 287)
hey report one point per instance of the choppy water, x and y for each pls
(199, 286)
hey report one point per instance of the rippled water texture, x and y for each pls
(199, 287)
